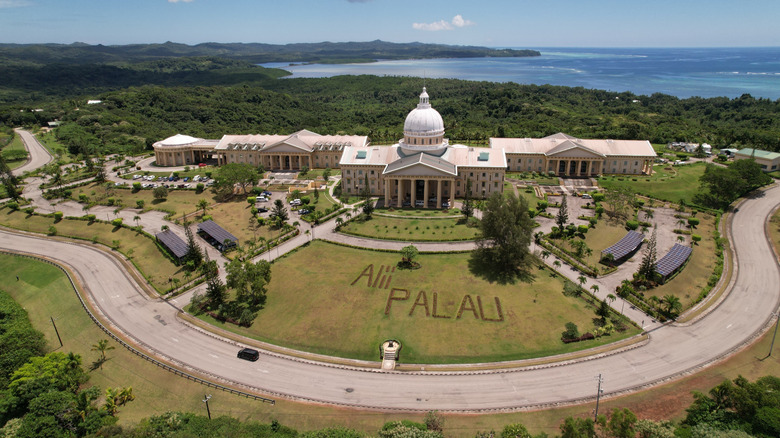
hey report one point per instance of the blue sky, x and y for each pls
(500, 23)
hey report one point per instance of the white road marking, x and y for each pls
(174, 340)
(214, 356)
(729, 326)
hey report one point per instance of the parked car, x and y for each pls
(262, 199)
(304, 211)
(586, 196)
(445, 204)
(419, 203)
(249, 354)
(266, 193)
(201, 164)
(262, 209)
(295, 202)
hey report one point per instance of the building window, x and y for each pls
(636, 163)
(484, 175)
(496, 174)
(372, 172)
(471, 173)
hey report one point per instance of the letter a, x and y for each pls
(470, 307)
(368, 272)
(422, 300)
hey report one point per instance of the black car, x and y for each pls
(249, 354)
(262, 209)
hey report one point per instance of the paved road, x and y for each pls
(672, 351)
(39, 155)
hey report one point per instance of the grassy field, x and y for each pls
(539, 179)
(411, 229)
(16, 144)
(179, 202)
(319, 300)
(44, 292)
(143, 251)
(599, 238)
(419, 212)
(234, 217)
(49, 141)
(670, 183)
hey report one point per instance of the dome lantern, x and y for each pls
(424, 129)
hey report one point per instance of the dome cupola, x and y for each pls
(424, 129)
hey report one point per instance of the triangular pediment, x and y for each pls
(421, 165)
(291, 144)
(571, 149)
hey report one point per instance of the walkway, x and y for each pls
(39, 155)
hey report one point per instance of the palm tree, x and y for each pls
(102, 346)
(136, 218)
(611, 298)
(545, 254)
(203, 205)
(339, 222)
(681, 223)
(681, 239)
(582, 280)
(595, 289)
(672, 305)
(557, 264)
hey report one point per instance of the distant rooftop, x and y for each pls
(758, 153)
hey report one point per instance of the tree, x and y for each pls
(622, 423)
(578, 428)
(326, 174)
(215, 290)
(503, 247)
(102, 346)
(603, 311)
(160, 192)
(646, 271)
(368, 206)
(202, 205)
(672, 305)
(515, 430)
(232, 174)
(249, 279)
(279, 213)
(699, 152)
(467, 209)
(194, 253)
(563, 214)
(619, 201)
(408, 254)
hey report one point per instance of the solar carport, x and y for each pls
(174, 243)
(673, 260)
(216, 235)
(626, 247)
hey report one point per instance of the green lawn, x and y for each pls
(411, 229)
(178, 201)
(314, 173)
(16, 144)
(538, 179)
(49, 141)
(322, 299)
(669, 183)
(419, 212)
(143, 251)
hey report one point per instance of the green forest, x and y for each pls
(210, 97)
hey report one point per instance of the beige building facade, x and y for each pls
(423, 169)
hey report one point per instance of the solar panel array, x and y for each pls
(673, 259)
(174, 243)
(626, 245)
(216, 232)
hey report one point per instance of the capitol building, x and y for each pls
(423, 169)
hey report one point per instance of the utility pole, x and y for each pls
(598, 397)
(60, 339)
(775, 334)
(206, 400)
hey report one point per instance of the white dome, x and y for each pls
(177, 140)
(424, 121)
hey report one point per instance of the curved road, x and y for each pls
(39, 155)
(673, 350)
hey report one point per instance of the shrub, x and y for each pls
(532, 212)
(110, 201)
(695, 237)
(305, 200)
(571, 332)
(58, 215)
(206, 217)
(29, 210)
(208, 174)
(90, 218)
(117, 222)
(632, 225)
(83, 197)
(13, 205)
(136, 186)
(246, 318)
(693, 222)
(140, 203)
(598, 197)
(52, 231)
(200, 187)
(251, 199)
(582, 229)
(599, 210)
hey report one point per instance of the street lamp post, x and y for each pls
(598, 397)
(206, 400)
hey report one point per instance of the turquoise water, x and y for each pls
(704, 72)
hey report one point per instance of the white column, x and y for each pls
(438, 193)
(413, 192)
(400, 183)
(387, 192)
(425, 192)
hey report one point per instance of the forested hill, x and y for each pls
(324, 52)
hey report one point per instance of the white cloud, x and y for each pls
(7, 4)
(457, 21)
(180, 1)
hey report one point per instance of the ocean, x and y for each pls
(681, 72)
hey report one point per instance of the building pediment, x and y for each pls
(289, 145)
(570, 149)
(421, 165)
